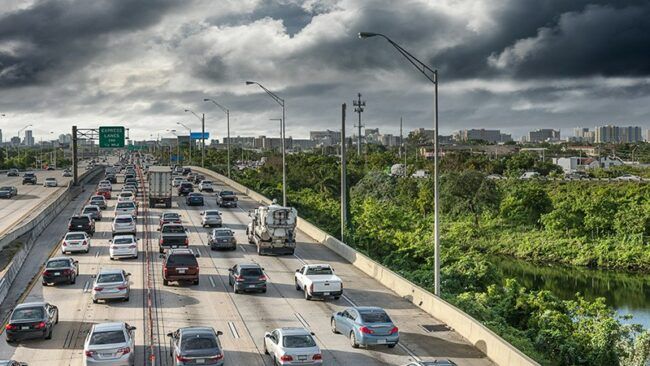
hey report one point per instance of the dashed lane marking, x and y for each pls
(233, 330)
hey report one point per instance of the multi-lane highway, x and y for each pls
(243, 318)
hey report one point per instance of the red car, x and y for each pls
(106, 192)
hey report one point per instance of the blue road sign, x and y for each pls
(197, 135)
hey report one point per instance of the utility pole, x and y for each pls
(402, 144)
(202, 140)
(344, 198)
(75, 162)
(358, 108)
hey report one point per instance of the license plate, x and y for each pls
(181, 271)
(200, 361)
(24, 328)
(251, 286)
(302, 358)
(326, 293)
(57, 273)
(381, 341)
(106, 355)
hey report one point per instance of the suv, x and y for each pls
(29, 178)
(180, 265)
(124, 224)
(13, 172)
(185, 188)
(82, 223)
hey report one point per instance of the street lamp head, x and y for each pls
(187, 110)
(250, 82)
(206, 100)
(364, 35)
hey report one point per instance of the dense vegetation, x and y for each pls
(597, 224)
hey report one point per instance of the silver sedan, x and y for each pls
(111, 284)
(110, 344)
(211, 218)
(292, 346)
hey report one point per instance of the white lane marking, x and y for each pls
(233, 330)
(424, 329)
(409, 352)
(86, 286)
(242, 248)
(302, 320)
(97, 253)
(211, 281)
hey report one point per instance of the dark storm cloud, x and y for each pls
(53, 37)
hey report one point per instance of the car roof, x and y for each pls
(171, 213)
(124, 217)
(91, 206)
(293, 331)
(108, 326)
(110, 270)
(33, 304)
(197, 330)
(98, 196)
(368, 309)
(222, 229)
(211, 211)
(315, 265)
(75, 232)
(50, 178)
(249, 265)
(131, 236)
(59, 259)
(180, 251)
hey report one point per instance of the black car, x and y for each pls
(32, 320)
(111, 178)
(29, 178)
(60, 269)
(222, 238)
(185, 188)
(186, 171)
(8, 192)
(196, 343)
(194, 199)
(82, 223)
(198, 178)
(12, 363)
(13, 172)
(247, 277)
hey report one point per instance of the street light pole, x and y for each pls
(190, 131)
(202, 119)
(280, 101)
(432, 76)
(227, 111)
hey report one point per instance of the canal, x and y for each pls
(628, 293)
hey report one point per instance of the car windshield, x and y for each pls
(206, 182)
(126, 205)
(182, 260)
(375, 317)
(29, 174)
(122, 241)
(319, 271)
(173, 229)
(60, 263)
(251, 272)
(186, 185)
(110, 277)
(227, 193)
(192, 343)
(28, 313)
(126, 194)
(109, 337)
(171, 216)
(50, 179)
(211, 213)
(223, 233)
(5, 188)
(123, 220)
(90, 209)
(75, 236)
(97, 198)
(298, 341)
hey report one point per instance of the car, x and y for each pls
(530, 175)
(172, 236)
(12, 363)
(110, 344)
(93, 211)
(226, 199)
(222, 238)
(111, 178)
(82, 223)
(123, 246)
(365, 326)
(198, 178)
(67, 173)
(206, 186)
(495, 177)
(50, 182)
(186, 171)
(31, 320)
(318, 280)
(211, 218)
(179, 265)
(292, 346)
(8, 192)
(124, 224)
(126, 208)
(125, 196)
(98, 201)
(628, 178)
(105, 184)
(130, 187)
(104, 192)
(247, 277)
(177, 181)
(110, 284)
(169, 218)
(196, 346)
(185, 188)
(60, 269)
(75, 241)
(128, 175)
(431, 363)
(194, 199)
(29, 178)
(13, 172)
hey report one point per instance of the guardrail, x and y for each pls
(491, 344)
(35, 228)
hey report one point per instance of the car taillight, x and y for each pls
(69, 226)
(180, 358)
(165, 270)
(40, 325)
(317, 356)
(160, 241)
(84, 243)
(65, 244)
(67, 271)
(121, 288)
(366, 330)
(217, 357)
(98, 288)
(124, 350)
(10, 327)
(187, 241)
(46, 273)
(239, 278)
(263, 278)
(90, 353)
(394, 330)
(286, 358)
(132, 246)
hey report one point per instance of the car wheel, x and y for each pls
(10, 340)
(196, 282)
(264, 291)
(126, 299)
(165, 283)
(235, 290)
(353, 340)
(87, 250)
(337, 297)
(73, 280)
(57, 318)
(392, 345)
(112, 258)
(266, 351)
(333, 326)
(307, 296)
(44, 284)
(95, 301)
(297, 286)
(49, 334)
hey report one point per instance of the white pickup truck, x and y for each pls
(318, 280)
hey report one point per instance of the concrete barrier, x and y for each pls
(35, 227)
(492, 345)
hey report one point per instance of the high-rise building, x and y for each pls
(544, 134)
(29, 138)
(491, 136)
(15, 140)
(630, 134)
(1, 140)
(647, 135)
(326, 138)
(582, 134)
(616, 134)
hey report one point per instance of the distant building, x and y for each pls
(492, 136)
(647, 135)
(303, 144)
(575, 163)
(325, 138)
(616, 134)
(1, 140)
(543, 135)
(630, 134)
(246, 142)
(390, 140)
(65, 139)
(372, 136)
(29, 138)
(582, 134)
(15, 140)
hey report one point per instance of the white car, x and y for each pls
(110, 344)
(125, 196)
(75, 241)
(529, 175)
(318, 280)
(292, 346)
(123, 246)
(177, 181)
(206, 186)
(211, 218)
(111, 284)
(105, 184)
(124, 224)
(126, 208)
(50, 182)
(628, 178)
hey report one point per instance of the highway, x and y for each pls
(243, 318)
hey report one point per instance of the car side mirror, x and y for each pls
(132, 327)
(93, 276)
(219, 333)
(161, 256)
(339, 313)
(170, 334)
(312, 333)
(128, 274)
(110, 240)
(298, 270)
(267, 335)
(229, 269)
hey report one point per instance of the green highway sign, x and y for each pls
(111, 136)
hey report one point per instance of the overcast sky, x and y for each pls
(514, 65)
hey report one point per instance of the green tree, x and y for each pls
(525, 203)
(468, 192)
